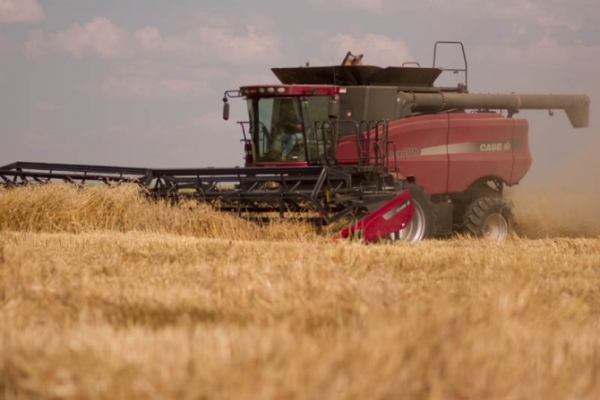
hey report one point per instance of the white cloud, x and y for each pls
(212, 43)
(205, 44)
(490, 8)
(148, 79)
(99, 36)
(149, 64)
(35, 44)
(21, 11)
(377, 49)
(537, 12)
(252, 48)
(372, 6)
(544, 53)
(150, 40)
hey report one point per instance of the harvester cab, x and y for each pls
(286, 122)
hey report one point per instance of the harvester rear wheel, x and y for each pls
(489, 218)
(422, 224)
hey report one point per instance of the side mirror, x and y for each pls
(334, 109)
(226, 110)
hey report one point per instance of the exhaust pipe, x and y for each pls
(577, 107)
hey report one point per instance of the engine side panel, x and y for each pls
(420, 149)
(449, 152)
(479, 145)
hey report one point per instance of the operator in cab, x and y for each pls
(292, 127)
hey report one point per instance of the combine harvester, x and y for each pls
(411, 159)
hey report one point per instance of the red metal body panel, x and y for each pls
(479, 145)
(449, 152)
(412, 136)
(347, 150)
(391, 217)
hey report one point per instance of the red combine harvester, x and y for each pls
(410, 159)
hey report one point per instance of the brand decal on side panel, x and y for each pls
(459, 148)
(495, 146)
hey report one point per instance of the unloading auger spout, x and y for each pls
(577, 107)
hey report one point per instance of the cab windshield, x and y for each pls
(289, 128)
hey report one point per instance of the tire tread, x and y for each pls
(480, 209)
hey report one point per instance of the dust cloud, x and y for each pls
(563, 200)
(543, 213)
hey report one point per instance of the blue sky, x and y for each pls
(139, 82)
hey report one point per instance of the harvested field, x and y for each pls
(104, 295)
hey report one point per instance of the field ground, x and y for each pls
(106, 296)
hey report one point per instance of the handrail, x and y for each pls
(371, 141)
(335, 139)
(455, 70)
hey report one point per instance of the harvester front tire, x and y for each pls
(489, 218)
(422, 225)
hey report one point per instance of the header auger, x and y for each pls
(408, 159)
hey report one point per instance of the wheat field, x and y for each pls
(104, 295)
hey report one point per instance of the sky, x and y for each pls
(140, 82)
